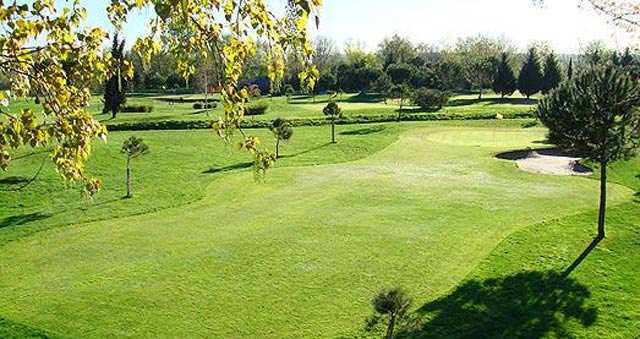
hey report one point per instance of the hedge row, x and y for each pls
(265, 123)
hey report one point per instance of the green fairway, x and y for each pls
(299, 107)
(298, 256)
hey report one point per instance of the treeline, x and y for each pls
(472, 64)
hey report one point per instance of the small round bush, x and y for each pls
(257, 109)
(137, 109)
(200, 105)
(431, 100)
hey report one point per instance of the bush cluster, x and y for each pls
(137, 109)
(353, 119)
(200, 105)
(257, 109)
(430, 100)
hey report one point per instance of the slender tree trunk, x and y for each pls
(392, 324)
(277, 148)
(113, 113)
(480, 95)
(333, 132)
(603, 199)
(128, 177)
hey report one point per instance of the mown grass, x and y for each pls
(551, 280)
(298, 256)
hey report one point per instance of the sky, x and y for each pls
(566, 25)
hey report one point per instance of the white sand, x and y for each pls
(554, 164)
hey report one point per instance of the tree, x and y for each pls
(334, 113)
(402, 93)
(478, 57)
(282, 131)
(595, 116)
(288, 92)
(430, 100)
(504, 81)
(68, 58)
(133, 148)
(115, 90)
(401, 73)
(570, 69)
(393, 303)
(530, 78)
(382, 86)
(552, 74)
(395, 50)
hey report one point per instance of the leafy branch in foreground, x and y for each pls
(68, 58)
(225, 31)
(57, 72)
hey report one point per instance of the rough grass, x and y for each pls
(298, 256)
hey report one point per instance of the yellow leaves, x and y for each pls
(4, 99)
(5, 159)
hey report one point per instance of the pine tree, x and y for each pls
(504, 81)
(115, 90)
(552, 74)
(530, 78)
(570, 69)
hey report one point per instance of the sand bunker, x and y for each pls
(546, 161)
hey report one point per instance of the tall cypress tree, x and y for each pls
(552, 74)
(570, 69)
(115, 89)
(504, 81)
(530, 78)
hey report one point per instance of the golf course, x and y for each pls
(311, 169)
(204, 250)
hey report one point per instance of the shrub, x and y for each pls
(257, 109)
(200, 105)
(431, 100)
(137, 109)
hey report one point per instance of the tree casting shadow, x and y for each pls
(525, 305)
(21, 219)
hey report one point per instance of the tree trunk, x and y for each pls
(113, 113)
(392, 324)
(480, 95)
(603, 199)
(278, 148)
(333, 132)
(128, 177)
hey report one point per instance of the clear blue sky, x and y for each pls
(562, 23)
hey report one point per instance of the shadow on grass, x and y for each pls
(229, 168)
(13, 330)
(306, 151)
(21, 219)
(366, 98)
(365, 131)
(525, 305)
(493, 101)
(12, 181)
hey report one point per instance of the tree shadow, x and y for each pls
(21, 219)
(366, 98)
(582, 256)
(305, 151)
(12, 181)
(525, 305)
(365, 131)
(493, 101)
(229, 168)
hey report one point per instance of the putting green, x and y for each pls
(298, 256)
